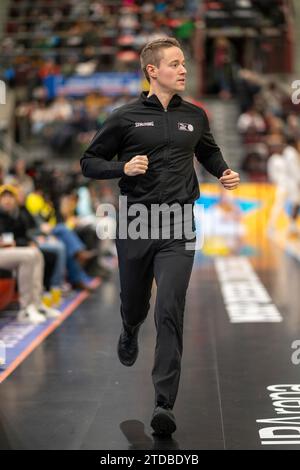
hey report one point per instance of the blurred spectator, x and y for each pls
(20, 178)
(251, 122)
(76, 254)
(272, 99)
(16, 222)
(223, 62)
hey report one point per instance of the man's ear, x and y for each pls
(151, 69)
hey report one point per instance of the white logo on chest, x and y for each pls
(183, 126)
(142, 124)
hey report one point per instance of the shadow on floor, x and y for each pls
(134, 432)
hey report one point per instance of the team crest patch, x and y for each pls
(183, 126)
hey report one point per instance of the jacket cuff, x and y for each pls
(118, 168)
(221, 170)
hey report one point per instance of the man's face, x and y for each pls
(171, 73)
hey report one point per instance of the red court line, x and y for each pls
(37, 341)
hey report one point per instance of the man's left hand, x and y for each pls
(230, 179)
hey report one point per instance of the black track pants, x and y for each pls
(170, 264)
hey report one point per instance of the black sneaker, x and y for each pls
(163, 421)
(128, 346)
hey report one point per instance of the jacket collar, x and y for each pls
(153, 100)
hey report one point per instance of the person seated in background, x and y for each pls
(292, 126)
(274, 124)
(251, 122)
(19, 177)
(86, 228)
(53, 249)
(223, 63)
(19, 251)
(88, 202)
(85, 231)
(77, 256)
(272, 99)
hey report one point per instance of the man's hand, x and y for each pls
(230, 179)
(138, 165)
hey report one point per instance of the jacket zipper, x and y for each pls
(165, 158)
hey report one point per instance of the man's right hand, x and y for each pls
(138, 165)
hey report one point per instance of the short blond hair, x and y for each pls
(151, 52)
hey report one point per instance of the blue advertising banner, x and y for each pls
(110, 84)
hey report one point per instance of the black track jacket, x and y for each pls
(169, 137)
